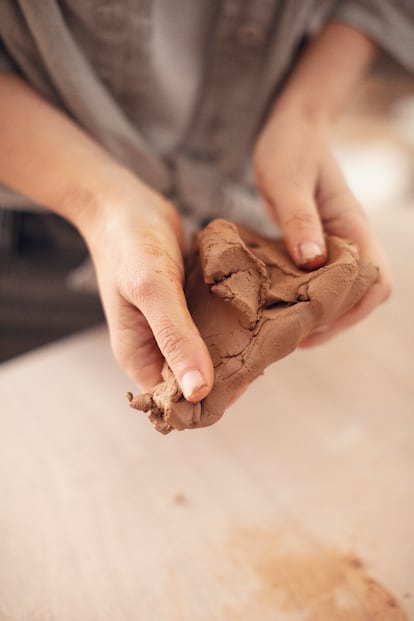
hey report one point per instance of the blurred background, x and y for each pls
(44, 275)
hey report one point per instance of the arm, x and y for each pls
(133, 233)
(296, 171)
(329, 72)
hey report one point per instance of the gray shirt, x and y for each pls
(177, 89)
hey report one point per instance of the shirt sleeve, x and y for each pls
(389, 23)
(6, 63)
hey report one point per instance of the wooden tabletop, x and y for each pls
(297, 506)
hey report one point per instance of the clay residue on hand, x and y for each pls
(253, 306)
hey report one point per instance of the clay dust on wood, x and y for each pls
(302, 581)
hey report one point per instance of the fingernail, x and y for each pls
(192, 382)
(311, 255)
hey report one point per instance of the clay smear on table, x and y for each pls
(252, 306)
(303, 581)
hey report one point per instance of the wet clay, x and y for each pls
(252, 306)
(299, 579)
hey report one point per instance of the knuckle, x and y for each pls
(341, 205)
(335, 196)
(301, 219)
(171, 342)
(358, 218)
(146, 287)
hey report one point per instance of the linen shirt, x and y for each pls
(177, 90)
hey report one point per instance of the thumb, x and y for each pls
(162, 302)
(297, 215)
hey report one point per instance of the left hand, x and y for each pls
(307, 196)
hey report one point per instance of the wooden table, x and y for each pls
(297, 506)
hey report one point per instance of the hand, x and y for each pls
(307, 196)
(135, 238)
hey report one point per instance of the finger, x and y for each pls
(318, 337)
(134, 346)
(238, 393)
(297, 215)
(342, 215)
(163, 305)
(376, 295)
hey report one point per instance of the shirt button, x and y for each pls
(250, 35)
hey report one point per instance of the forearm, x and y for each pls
(48, 158)
(327, 74)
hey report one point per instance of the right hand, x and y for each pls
(136, 240)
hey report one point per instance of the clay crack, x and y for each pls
(241, 352)
(218, 280)
(270, 307)
(282, 304)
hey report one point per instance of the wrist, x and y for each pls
(327, 75)
(301, 106)
(116, 202)
(95, 196)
